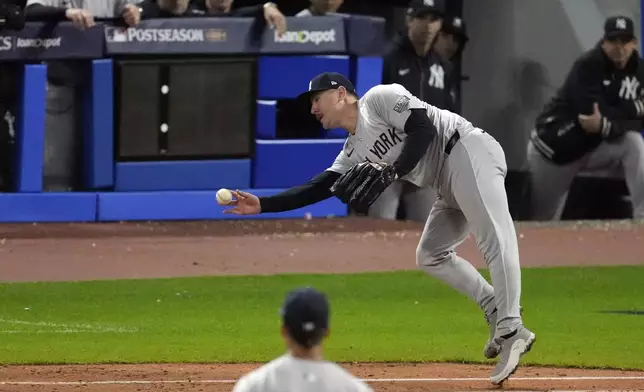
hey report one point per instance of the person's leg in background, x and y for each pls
(549, 184)
(60, 125)
(6, 142)
(417, 202)
(9, 92)
(386, 205)
(633, 165)
(63, 139)
(627, 152)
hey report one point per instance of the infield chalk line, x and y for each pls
(47, 331)
(372, 380)
(68, 328)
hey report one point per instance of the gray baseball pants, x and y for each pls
(549, 182)
(417, 202)
(472, 198)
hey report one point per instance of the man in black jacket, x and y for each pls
(449, 45)
(594, 122)
(411, 62)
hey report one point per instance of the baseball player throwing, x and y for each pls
(392, 135)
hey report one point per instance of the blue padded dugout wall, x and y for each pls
(140, 206)
(30, 129)
(300, 158)
(98, 127)
(190, 205)
(48, 207)
(366, 73)
(266, 121)
(183, 175)
(295, 73)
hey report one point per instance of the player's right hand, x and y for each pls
(81, 18)
(244, 203)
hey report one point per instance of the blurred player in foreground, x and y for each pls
(305, 324)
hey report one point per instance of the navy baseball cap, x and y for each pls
(305, 314)
(617, 27)
(326, 81)
(456, 26)
(420, 8)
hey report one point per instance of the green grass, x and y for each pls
(402, 316)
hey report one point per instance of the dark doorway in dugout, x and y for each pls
(188, 108)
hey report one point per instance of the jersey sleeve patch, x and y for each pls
(402, 104)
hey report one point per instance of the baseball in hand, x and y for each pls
(224, 197)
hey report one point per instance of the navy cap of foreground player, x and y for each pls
(305, 315)
(326, 81)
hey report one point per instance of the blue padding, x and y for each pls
(368, 73)
(183, 175)
(30, 129)
(48, 207)
(286, 163)
(195, 205)
(266, 119)
(284, 77)
(99, 127)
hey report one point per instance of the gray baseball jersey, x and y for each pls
(470, 180)
(98, 8)
(380, 135)
(289, 374)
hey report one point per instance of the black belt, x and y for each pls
(452, 141)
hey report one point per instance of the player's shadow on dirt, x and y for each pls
(627, 312)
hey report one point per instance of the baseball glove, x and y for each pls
(363, 183)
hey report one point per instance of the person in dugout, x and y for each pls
(265, 14)
(411, 62)
(321, 8)
(449, 45)
(63, 141)
(594, 122)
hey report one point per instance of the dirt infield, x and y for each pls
(49, 252)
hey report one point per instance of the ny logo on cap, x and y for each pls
(310, 85)
(428, 3)
(620, 24)
(457, 22)
(333, 83)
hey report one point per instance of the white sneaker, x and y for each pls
(513, 346)
(492, 348)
